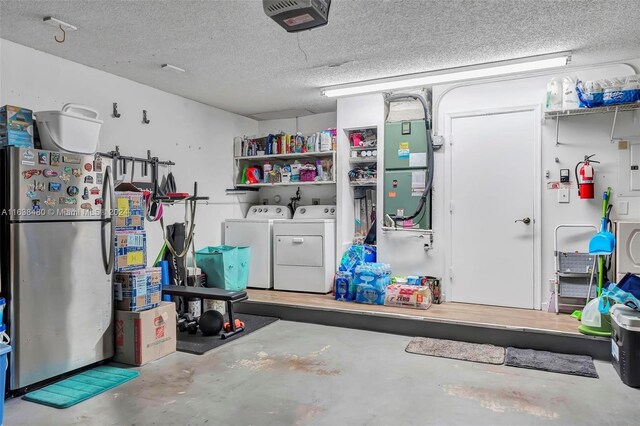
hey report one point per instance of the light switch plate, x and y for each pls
(623, 208)
(563, 195)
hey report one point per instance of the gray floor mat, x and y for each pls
(577, 365)
(475, 352)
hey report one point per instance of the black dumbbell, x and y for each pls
(192, 327)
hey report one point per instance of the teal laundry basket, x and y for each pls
(4, 353)
(226, 267)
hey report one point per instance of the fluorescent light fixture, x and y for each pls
(492, 69)
(169, 67)
(58, 23)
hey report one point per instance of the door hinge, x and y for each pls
(451, 273)
(451, 206)
(450, 139)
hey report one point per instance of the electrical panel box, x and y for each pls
(629, 168)
(405, 145)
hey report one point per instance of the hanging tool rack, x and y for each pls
(121, 161)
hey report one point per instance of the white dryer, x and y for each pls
(627, 248)
(256, 231)
(304, 250)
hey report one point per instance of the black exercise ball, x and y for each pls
(211, 322)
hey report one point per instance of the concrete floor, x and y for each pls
(297, 374)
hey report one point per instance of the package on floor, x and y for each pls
(345, 289)
(408, 295)
(142, 337)
(422, 280)
(138, 290)
(16, 126)
(355, 256)
(130, 251)
(130, 211)
(371, 281)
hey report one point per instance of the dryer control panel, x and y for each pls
(267, 211)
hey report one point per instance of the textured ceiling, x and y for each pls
(239, 60)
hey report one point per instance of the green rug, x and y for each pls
(81, 387)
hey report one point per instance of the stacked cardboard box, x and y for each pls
(142, 337)
(137, 291)
(145, 326)
(136, 287)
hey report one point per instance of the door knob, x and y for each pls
(526, 220)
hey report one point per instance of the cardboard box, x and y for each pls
(130, 206)
(142, 337)
(138, 290)
(131, 250)
(16, 126)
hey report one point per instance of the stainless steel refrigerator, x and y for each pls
(56, 259)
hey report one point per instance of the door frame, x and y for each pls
(537, 192)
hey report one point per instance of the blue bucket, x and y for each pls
(4, 352)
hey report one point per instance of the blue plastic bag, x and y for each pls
(626, 292)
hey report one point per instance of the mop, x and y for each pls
(602, 244)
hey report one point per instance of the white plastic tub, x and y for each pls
(73, 129)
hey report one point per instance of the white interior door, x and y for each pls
(493, 162)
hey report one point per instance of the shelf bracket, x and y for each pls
(613, 127)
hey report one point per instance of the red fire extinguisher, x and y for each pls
(584, 177)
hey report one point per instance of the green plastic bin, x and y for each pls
(226, 267)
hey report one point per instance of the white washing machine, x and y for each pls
(256, 231)
(627, 248)
(305, 250)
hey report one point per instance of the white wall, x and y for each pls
(197, 137)
(353, 113)
(306, 125)
(579, 136)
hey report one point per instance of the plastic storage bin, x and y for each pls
(625, 344)
(226, 267)
(73, 129)
(4, 353)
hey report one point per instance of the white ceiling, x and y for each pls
(239, 60)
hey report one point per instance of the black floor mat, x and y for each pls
(576, 365)
(198, 344)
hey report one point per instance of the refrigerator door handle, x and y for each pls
(109, 257)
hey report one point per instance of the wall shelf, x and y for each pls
(588, 111)
(267, 185)
(363, 160)
(615, 109)
(291, 156)
(364, 148)
(372, 182)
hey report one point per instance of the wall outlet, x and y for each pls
(563, 195)
(315, 201)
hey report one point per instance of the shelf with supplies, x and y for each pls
(290, 156)
(615, 109)
(267, 185)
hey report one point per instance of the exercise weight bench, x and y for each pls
(227, 296)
